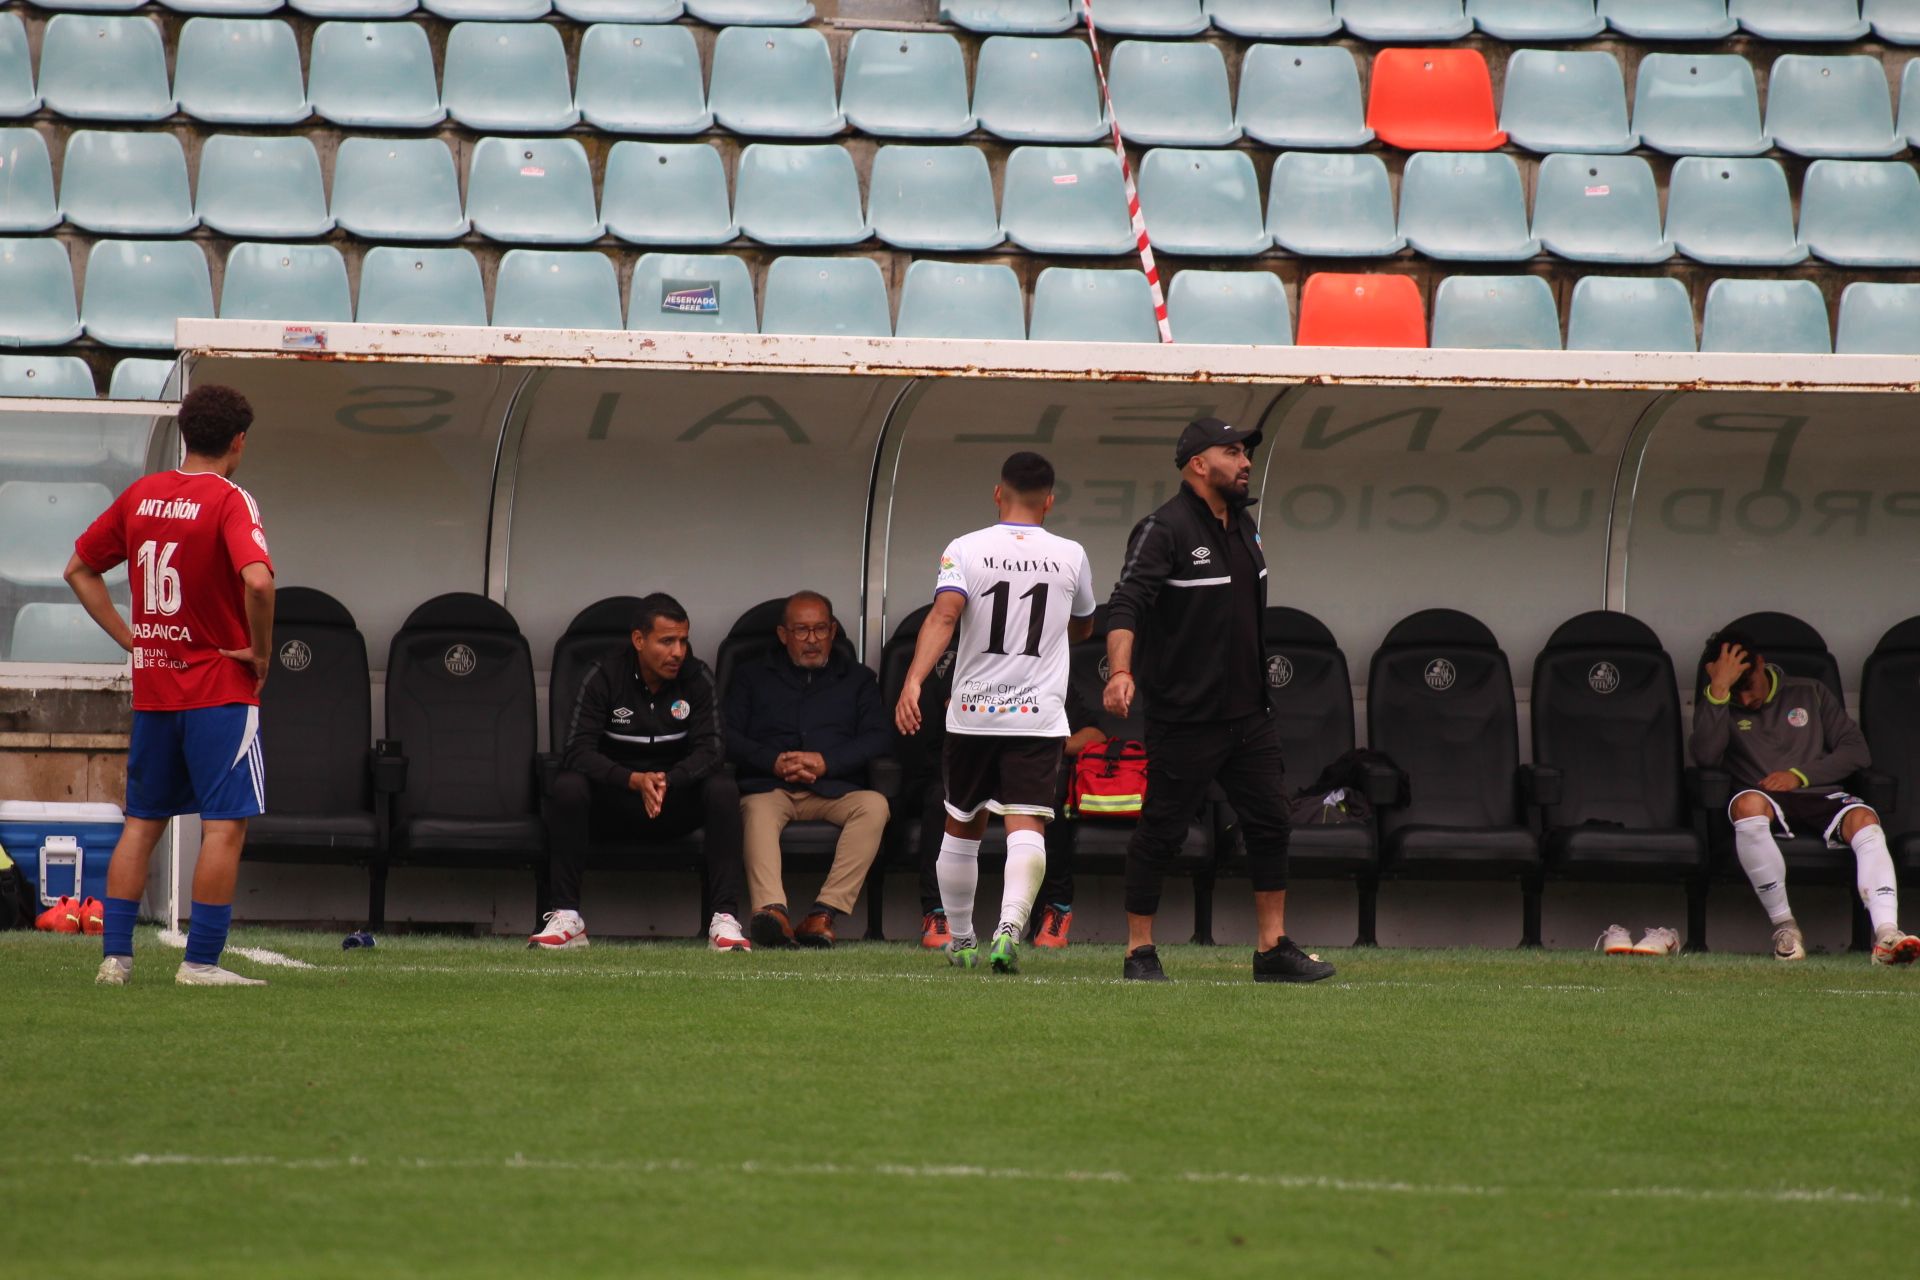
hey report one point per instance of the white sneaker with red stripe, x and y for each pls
(563, 931)
(724, 933)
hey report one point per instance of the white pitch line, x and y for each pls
(259, 955)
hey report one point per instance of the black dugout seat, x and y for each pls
(1793, 646)
(1890, 717)
(751, 638)
(918, 755)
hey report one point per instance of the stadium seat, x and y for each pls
(1505, 313)
(1536, 19)
(104, 68)
(224, 8)
(1015, 17)
(357, 10)
(1890, 719)
(508, 77)
(1630, 313)
(1895, 21)
(1302, 96)
(1078, 304)
(1230, 308)
(751, 639)
(39, 521)
(1736, 212)
(1465, 207)
(1799, 19)
(799, 195)
(240, 71)
(488, 10)
(1599, 209)
(1668, 19)
(532, 191)
(137, 379)
(690, 292)
(421, 286)
(1038, 91)
(17, 97)
(666, 193)
(961, 300)
(1776, 316)
(1204, 203)
(262, 188)
(1159, 19)
(136, 289)
(1274, 19)
(906, 85)
(545, 289)
(750, 13)
(397, 189)
(1440, 703)
(1403, 20)
(26, 182)
(1836, 107)
(774, 84)
(1066, 200)
(1433, 100)
(36, 294)
(1908, 123)
(117, 182)
(938, 198)
(294, 282)
(1566, 100)
(1698, 104)
(1879, 320)
(621, 11)
(838, 297)
(1346, 310)
(1862, 213)
(45, 377)
(1172, 93)
(374, 75)
(641, 80)
(46, 632)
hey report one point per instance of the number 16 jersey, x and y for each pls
(1021, 584)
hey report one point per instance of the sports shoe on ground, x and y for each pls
(1658, 942)
(815, 931)
(1895, 947)
(1005, 951)
(723, 933)
(62, 917)
(1284, 962)
(933, 930)
(93, 916)
(1788, 944)
(963, 953)
(1615, 941)
(771, 928)
(1143, 965)
(212, 975)
(115, 971)
(563, 931)
(1054, 923)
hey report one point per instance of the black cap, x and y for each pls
(1204, 433)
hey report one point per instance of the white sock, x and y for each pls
(959, 872)
(1760, 859)
(1026, 868)
(1873, 873)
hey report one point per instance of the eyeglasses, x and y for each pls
(810, 631)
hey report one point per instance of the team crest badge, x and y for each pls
(1279, 671)
(461, 660)
(1106, 671)
(295, 655)
(1603, 678)
(680, 710)
(1440, 675)
(1797, 717)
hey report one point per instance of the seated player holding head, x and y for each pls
(1789, 744)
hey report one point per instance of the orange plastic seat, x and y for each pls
(1433, 100)
(1343, 310)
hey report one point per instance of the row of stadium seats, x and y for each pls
(714, 12)
(70, 378)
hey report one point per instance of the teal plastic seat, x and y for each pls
(1172, 93)
(621, 11)
(1735, 212)
(1698, 104)
(104, 68)
(1302, 96)
(262, 188)
(532, 191)
(1333, 206)
(1027, 90)
(1895, 21)
(751, 13)
(421, 286)
(1230, 308)
(1404, 20)
(962, 300)
(355, 10)
(1011, 17)
(39, 521)
(1160, 19)
(1832, 107)
(799, 195)
(641, 79)
(1274, 19)
(240, 71)
(1787, 317)
(1066, 200)
(49, 632)
(938, 198)
(374, 75)
(1800, 19)
(116, 182)
(1668, 19)
(1079, 304)
(840, 297)
(36, 294)
(136, 289)
(17, 96)
(1599, 209)
(292, 282)
(1496, 313)
(1204, 203)
(667, 193)
(488, 10)
(1630, 313)
(1908, 126)
(224, 8)
(1566, 100)
(137, 379)
(1879, 320)
(26, 182)
(508, 77)
(906, 85)
(1465, 206)
(692, 293)
(545, 289)
(397, 189)
(1536, 19)
(45, 377)
(1862, 213)
(774, 83)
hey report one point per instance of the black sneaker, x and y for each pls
(1288, 963)
(1143, 965)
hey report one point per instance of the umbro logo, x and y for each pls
(623, 715)
(1203, 555)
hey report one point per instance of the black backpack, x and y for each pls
(18, 902)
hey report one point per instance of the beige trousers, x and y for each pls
(861, 817)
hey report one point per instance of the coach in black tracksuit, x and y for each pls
(1194, 590)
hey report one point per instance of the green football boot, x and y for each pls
(963, 953)
(1005, 952)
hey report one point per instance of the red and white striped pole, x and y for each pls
(1133, 192)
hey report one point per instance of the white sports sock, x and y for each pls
(1760, 859)
(959, 872)
(1026, 868)
(1873, 873)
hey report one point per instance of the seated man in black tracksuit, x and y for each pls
(641, 761)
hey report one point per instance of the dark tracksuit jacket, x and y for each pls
(775, 706)
(1801, 728)
(618, 728)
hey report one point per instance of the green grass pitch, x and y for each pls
(439, 1107)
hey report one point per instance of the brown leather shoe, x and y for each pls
(771, 928)
(815, 931)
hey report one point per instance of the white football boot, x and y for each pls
(563, 931)
(212, 975)
(1788, 944)
(724, 933)
(1658, 942)
(115, 971)
(1615, 941)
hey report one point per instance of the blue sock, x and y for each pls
(207, 933)
(116, 937)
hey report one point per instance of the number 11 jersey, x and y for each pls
(1021, 583)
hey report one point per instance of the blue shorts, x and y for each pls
(205, 761)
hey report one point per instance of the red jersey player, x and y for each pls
(201, 638)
